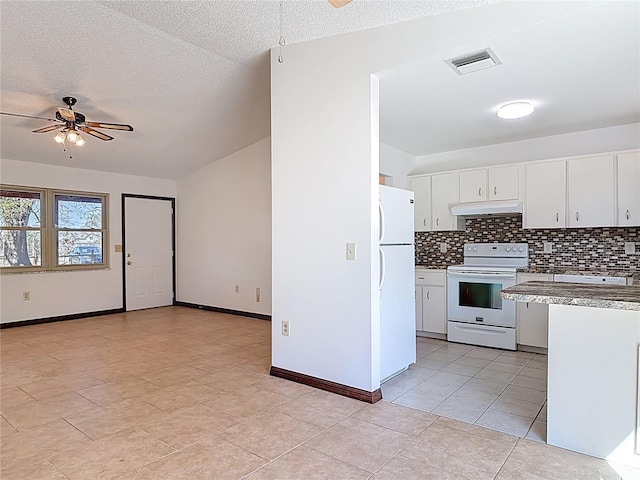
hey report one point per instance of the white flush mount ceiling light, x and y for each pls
(515, 110)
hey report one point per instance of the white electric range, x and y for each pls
(476, 313)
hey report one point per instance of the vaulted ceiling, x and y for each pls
(192, 77)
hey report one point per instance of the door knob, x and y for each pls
(129, 262)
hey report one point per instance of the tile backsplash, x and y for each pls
(582, 248)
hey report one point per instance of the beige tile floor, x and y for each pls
(498, 389)
(176, 393)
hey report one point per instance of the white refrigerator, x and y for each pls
(397, 282)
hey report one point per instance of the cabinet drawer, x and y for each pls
(431, 277)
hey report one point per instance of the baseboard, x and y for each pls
(530, 349)
(62, 318)
(333, 387)
(437, 336)
(240, 313)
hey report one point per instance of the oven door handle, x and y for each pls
(510, 276)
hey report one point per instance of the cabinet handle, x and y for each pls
(424, 222)
(577, 217)
(428, 295)
(626, 215)
(437, 222)
(557, 217)
(495, 190)
(527, 304)
(480, 191)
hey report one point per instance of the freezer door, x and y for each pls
(396, 216)
(397, 310)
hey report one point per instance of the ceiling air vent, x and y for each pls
(472, 62)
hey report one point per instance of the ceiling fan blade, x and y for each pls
(28, 116)
(339, 3)
(67, 114)
(48, 129)
(112, 126)
(95, 133)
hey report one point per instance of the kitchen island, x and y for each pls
(593, 366)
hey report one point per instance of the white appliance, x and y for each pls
(476, 313)
(396, 282)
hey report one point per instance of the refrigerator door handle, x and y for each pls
(382, 269)
(382, 221)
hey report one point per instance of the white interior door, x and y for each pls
(148, 253)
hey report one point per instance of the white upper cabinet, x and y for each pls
(421, 187)
(473, 185)
(545, 199)
(629, 189)
(503, 183)
(444, 193)
(591, 191)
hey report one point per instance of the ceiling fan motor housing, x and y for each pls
(71, 101)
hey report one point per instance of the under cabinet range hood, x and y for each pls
(498, 209)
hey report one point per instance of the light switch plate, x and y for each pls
(351, 251)
(444, 247)
(629, 248)
(117, 248)
(548, 247)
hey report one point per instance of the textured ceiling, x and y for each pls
(191, 77)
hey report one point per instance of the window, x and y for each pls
(42, 229)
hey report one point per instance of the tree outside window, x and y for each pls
(43, 229)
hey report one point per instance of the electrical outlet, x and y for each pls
(629, 248)
(237, 288)
(444, 247)
(285, 328)
(548, 247)
(257, 294)
(26, 296)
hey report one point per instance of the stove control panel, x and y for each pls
(496, 250)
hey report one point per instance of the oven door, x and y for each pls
(474, 297)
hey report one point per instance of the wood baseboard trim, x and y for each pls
(62, 318)
(240, 313)
(333, 387)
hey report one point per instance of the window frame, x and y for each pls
(42, 229)
(50, 230)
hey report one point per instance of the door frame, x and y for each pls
(124, 242)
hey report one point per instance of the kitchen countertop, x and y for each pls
(586, 295)
(559, 271)
(574, 271)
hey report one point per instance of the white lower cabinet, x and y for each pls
(431, 301)
(532, 319)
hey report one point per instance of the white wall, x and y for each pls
(623, 137)
(325, 168)
(396, 164)
(64, 293)
(224, 232)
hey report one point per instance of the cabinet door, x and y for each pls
(434, 317)
(503, 183)
(418, 293)
(473, 186)
(532, 318)
(444, 192)
(629, 189)
(545, 199)
(421, 187)
(590, 188)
